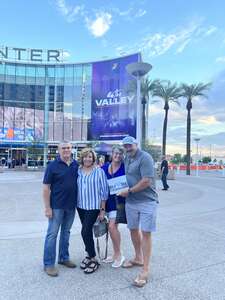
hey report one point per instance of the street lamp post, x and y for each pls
(197, 156)
(138, 70)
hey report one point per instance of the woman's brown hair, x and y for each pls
(85, 152)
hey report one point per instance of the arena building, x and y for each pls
(44, 101)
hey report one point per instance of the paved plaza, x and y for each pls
(188, 259)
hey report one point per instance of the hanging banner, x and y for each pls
(113, 106)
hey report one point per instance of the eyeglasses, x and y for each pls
(66, 148)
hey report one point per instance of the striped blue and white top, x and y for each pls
(92, 189)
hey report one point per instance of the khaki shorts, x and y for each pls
(142, 215)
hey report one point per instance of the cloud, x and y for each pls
(220, 59)
(141, 12)
(133, 12)
(100, 25)
(217, 138)
(181, 48)
(210, 30)
(123, 13)
(155, 110)
(208, 120)
(69, 12)
(207, 115)
(159, 43)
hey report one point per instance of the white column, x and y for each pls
(138, 120)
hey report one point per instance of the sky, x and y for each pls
(183, 40)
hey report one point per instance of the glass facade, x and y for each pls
(46, 104)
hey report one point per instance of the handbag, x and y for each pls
(100, 228)
(120, 213)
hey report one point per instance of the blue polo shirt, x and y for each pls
(63, 184)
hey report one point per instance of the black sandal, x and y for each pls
(85, 262)
(92, 266)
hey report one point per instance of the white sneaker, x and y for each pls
(118, 262)
(108, 260)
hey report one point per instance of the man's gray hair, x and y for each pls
(64, 143)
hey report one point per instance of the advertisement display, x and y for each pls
(21, 124)
(113, 104)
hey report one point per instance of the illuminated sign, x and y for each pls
(34, 55)
(114, 98)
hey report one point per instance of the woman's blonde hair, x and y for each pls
(85, 152)
(117, 148)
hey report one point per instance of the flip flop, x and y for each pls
(108, 260)
(140, 281)
(132, 263)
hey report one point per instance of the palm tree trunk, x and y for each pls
(188, 143)
(164, 131)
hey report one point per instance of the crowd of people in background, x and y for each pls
(69, 186)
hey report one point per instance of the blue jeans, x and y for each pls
(63, 218)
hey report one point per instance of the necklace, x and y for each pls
(112, 172)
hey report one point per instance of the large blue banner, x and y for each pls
(113, 103)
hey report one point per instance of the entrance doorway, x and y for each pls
(18, 156)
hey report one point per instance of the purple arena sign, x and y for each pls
(113, 103)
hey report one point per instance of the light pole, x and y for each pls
(138, 70)
(197, 157)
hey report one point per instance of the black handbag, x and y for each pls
(120, 213)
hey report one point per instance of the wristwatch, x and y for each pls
(102, 209)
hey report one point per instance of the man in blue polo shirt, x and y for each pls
(60, 199)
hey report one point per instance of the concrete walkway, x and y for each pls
(188, 249)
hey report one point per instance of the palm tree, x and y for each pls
(190, 92)
(147, 87)
(168, 92)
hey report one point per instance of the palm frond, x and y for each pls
(195, 90)
(167, 91)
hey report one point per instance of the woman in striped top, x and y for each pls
(92, 195)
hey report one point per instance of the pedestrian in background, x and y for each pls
(164, 172)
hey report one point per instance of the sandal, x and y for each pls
(108, 260)
(132, 263)
(85, 262)
(92, 266)
(140, 281)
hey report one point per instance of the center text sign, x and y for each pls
(34, 55)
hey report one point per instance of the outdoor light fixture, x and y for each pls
(138, 70)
